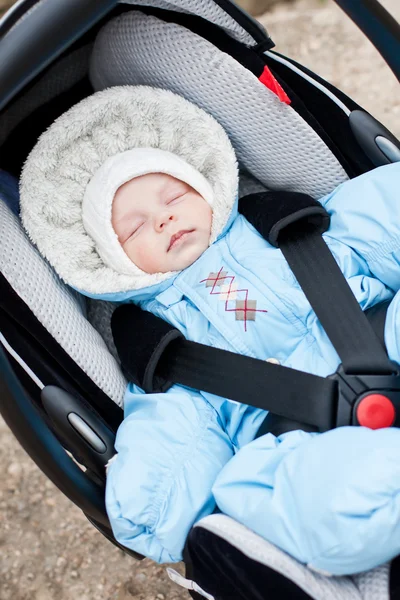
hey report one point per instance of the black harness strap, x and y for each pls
(154, 354)
(278, 389)
(295, 222)
(333, 302)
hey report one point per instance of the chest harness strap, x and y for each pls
(365, 390)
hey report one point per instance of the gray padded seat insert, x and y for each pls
(271, 140)
(58, 308)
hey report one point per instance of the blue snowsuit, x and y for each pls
(331, 500)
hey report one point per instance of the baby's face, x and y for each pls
(161, 222)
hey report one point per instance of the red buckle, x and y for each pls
(375, 411)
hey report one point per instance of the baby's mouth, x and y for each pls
(179, 237)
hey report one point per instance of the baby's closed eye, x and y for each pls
(176, 198)
(135, 230)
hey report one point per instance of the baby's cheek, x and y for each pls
(146, 256)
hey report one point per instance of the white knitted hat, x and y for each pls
(114, 172)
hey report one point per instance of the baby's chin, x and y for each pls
(176, 266)
(187, 258)
(177, 263)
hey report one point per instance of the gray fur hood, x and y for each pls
(67, 155)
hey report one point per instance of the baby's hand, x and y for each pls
(332, 501)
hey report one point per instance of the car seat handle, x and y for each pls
(378, 143)
(86, 435)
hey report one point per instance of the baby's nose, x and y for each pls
(163, 220)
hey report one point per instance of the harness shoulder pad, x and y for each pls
(141, 338)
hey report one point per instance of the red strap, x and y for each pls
(272, 84)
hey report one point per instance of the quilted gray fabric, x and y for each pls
(372, 585)
(60, 310)
(273, 142)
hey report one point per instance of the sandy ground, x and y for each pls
(49, 551)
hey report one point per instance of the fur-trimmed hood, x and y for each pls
(67, 155)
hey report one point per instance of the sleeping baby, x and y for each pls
(132, 196)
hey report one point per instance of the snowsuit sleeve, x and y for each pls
(170, 449)
(365, 215)
(331, 500)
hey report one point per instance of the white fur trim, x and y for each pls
(117, 170)
(67, 155)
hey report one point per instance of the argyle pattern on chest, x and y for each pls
(224, 286)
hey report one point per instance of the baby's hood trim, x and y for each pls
(67, 155)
